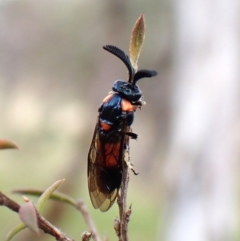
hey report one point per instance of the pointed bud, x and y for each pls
(128, 213)
(86, 236)
(28, 215)
(116, 225)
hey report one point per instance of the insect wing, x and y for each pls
(105, 169)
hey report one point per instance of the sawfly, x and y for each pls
(111, 134)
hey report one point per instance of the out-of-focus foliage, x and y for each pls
(53, 77)
(6, 144)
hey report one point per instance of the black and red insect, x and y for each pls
(111, 134)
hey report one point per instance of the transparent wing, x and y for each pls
(105, 169)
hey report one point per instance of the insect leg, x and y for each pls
(132, 135)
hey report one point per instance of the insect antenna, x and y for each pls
(143, 73)
(121, 55)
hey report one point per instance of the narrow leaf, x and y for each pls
(5, 144)
(27, 214)
(136, 41)
(57, 196)
(15, 231)
(47, 194)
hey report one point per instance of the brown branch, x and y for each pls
(123, 234)
(50, 229)
(61, 197)
(7, 202)
(42, 223)
(80, 205)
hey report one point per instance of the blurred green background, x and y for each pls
(53, 77)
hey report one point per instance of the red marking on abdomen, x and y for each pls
(105, 126)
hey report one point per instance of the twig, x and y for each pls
(61, 197)
(7, 202)
(80, 205)
(42, 223)
(122, 206)
(123, 232)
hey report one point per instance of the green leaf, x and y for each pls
(47, 194)
(41, 201)
(58, 196)
(15, 231)
(136, 41)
